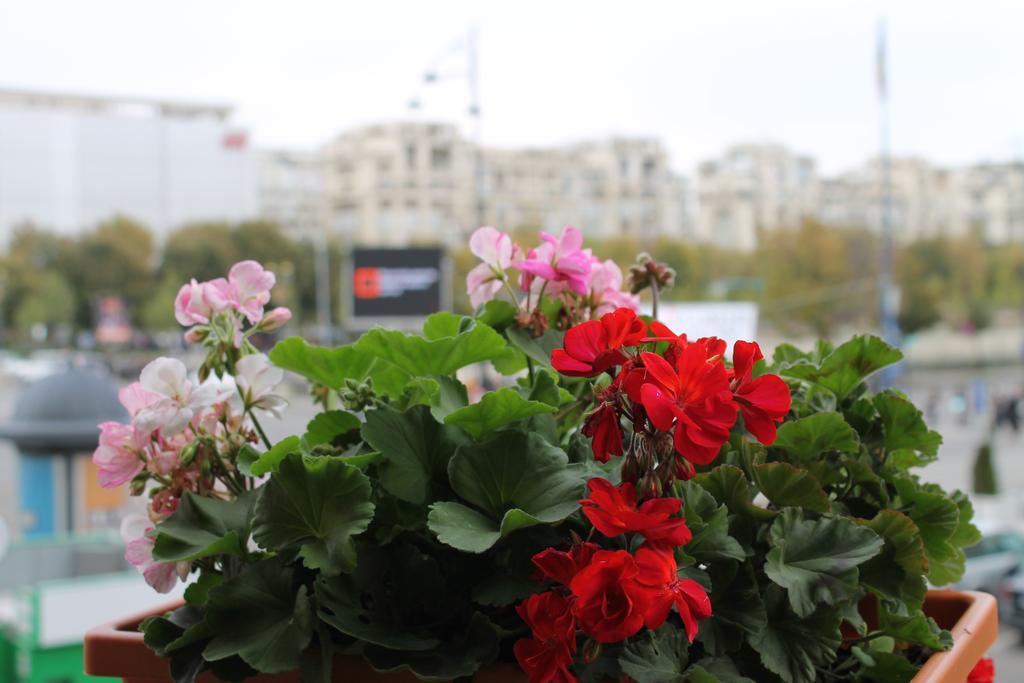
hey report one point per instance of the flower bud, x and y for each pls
(195, 335)
(138, 485)
(188, 454)
(630, 470)
(275, 319)
(650, 486)
(591, 651)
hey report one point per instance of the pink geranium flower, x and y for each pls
(561, 260)
(250, 288)
(134, 398)
(162, 576)
(497, 252)
(606, 289)
(197, 302)
(178, 399)
(117, 455)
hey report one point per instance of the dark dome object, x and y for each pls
(59, 413)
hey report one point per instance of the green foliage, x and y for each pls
(402, 529)
(984, 471)
(314, 505)
(202, 527)
(496, 409)
(512, 481)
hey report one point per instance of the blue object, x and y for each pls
(38, 498)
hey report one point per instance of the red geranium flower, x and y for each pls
(983, 672)
(549, 617)
(613, 511)
(661, 588)
(606, 592)
(594, 346)
(544, 661)
(602, 426)
(764, 400)
(548, 655)
(561, 566)
(695, 396)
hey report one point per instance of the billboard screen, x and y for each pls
(396, 287)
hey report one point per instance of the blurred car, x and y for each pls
(991, 561)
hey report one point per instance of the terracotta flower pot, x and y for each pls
(117, 649)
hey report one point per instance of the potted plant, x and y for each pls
(630, 506)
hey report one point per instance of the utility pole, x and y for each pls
(469, 47)
(887, 293)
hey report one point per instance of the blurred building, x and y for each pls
(989, 199)
(419, 182)
(69, 161)
(922, 195)
(753, 188)
(608, 188)
(291, 187)
(401, 183)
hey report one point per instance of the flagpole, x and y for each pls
(887, 295)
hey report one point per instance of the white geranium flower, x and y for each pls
(179, 400)
(256, 379)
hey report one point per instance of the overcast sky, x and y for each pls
(700, 75)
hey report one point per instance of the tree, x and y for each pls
(117, 258)
(51, 302)
(201, 250)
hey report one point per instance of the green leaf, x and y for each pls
(729, 486)
(365, 608)
(331, 367)
(709, 523)
(887, 667)
(202, 527)
(328, 425)
(898, 572)
(537, 349)
(419, 356)
(261, 617)
(443, 324)
(816, 560)
(807, 438)
(712, 670)
(463, 527)
(792, 647)
(503, 590)
(460, 656)
(415, 450)
(199, 590)
(316, 505)
(737, 608)
(545, 389)
(515, 480)
(497, 313)
(657, 656)
(906, 437)
(848, 365)
(269, 460)
(937, 518)
(451, 396)
(789, 486)
(495, 409)
(966, 533)
(914, 628)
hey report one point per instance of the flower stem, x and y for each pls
(259, 430)
(654, 298)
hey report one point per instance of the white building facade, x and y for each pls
(292, 192)
(751, 189)
(407, 183)
(68, 162)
